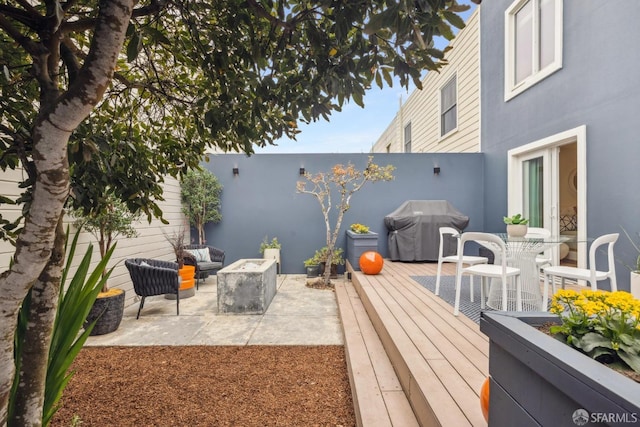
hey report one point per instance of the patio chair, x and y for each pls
(206, 259)
(494, 271)
(445, 232)
(589, 275)
(153, 277)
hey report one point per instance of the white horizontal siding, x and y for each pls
(151, 241)
(422, 107)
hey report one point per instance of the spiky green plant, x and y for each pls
(73, 306)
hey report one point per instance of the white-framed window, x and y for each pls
(407, 138)
(449, 106)
(533, 43)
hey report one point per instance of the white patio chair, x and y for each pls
(466, 259)
(541, 233)
(589, 275)
(493, 271)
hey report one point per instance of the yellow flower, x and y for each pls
(359, 228)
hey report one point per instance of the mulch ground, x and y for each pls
(208, 386)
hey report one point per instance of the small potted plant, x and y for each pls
(337, 259)
(359, 241)
(270, 249)
(516, 225)
(312, 266)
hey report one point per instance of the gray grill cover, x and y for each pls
(414, 229)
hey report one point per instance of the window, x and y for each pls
(449, 106)
(533, 43)
(407, 138)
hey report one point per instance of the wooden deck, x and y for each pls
(411, 361)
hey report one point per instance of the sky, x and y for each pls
(354, 129)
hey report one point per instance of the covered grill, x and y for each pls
(414, 229)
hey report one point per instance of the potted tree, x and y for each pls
(112, 219)
(270, 249)
(516, 225)
(344, 182)
(187, 272)
(201, 199)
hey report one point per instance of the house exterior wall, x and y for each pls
(422, 107)
(595, 87)
(262, 200)
(150, 243)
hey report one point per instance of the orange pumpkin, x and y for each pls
(371, 262)
(484, 399)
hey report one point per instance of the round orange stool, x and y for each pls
(371, 262)
(484, 399)
(187, 273)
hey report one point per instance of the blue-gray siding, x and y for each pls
(597, 87)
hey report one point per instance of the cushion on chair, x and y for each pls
(201, 255)
(211, 265)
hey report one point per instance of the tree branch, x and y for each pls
(85, 24)
(29, 17)
(31, 47)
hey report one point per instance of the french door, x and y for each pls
(533, 186)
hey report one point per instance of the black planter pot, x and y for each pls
(334, 270)
(539, 380)
(313, 270)
(108, 310)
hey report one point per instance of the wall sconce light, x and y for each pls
(302, 171)
(236, 171)
(436, 170)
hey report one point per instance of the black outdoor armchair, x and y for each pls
(204, 267)
(154, 277)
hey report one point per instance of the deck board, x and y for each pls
(377, 393)
(441, 360)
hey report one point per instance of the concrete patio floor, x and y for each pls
(298, 315)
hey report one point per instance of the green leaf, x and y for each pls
(134, 46)
(632, 360)
(592, 340)
(454, 19)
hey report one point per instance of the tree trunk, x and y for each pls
(51, 131)
(29, 398)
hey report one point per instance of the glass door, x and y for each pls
(534, 189)
(535, 193)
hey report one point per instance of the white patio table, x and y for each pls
(521, 253)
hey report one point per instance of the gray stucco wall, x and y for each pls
(262, 199)
(597, 87)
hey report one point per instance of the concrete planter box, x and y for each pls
(539, 380)
(247, 286)
(357, 244)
